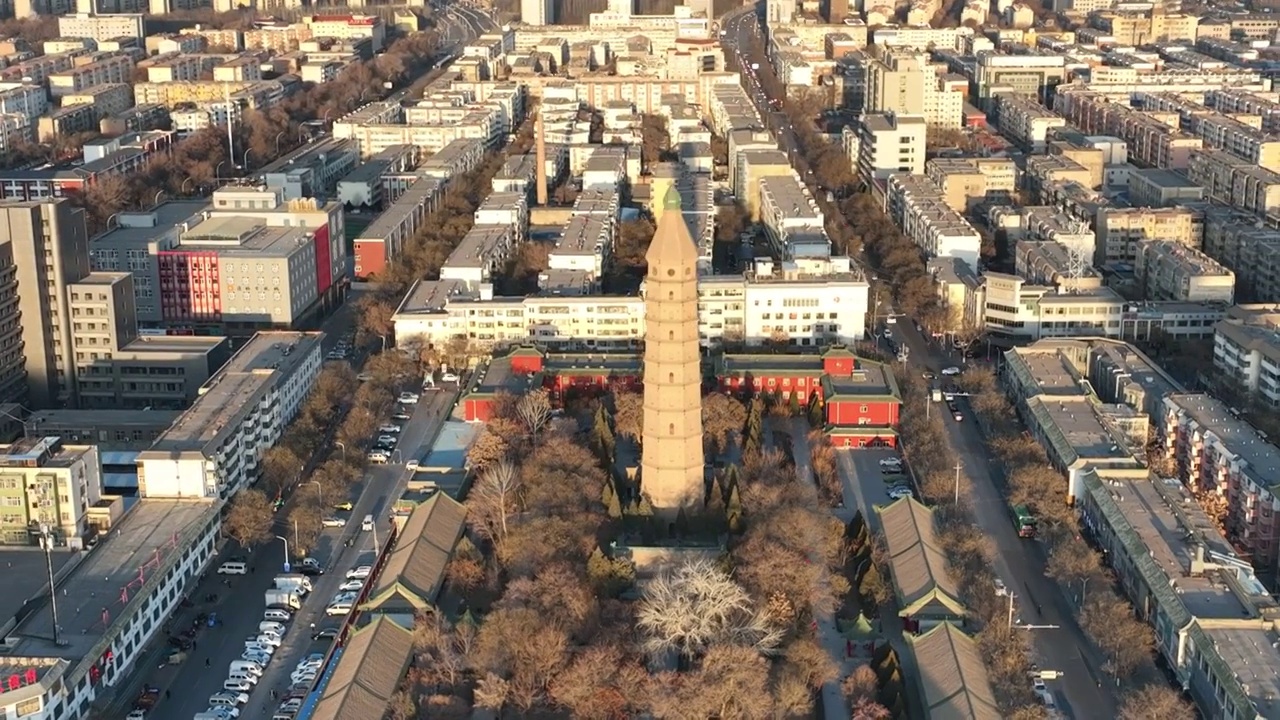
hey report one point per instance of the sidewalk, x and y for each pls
(834, 704)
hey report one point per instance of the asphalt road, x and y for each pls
(1019, 562)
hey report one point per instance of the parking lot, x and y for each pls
(865, 486)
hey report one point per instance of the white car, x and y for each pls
(387, 440)
(307, 666)
(408, 398)
(900, 492)
(953, 370)
(344, 598)
(290, 706)
(448, 377)
(890, 462)
(378, 457)
(271, 639)
(412, 464)
(359, 573)
(389, 428)
(888, 333)
(224, 711)
(138, 714)
(1001, 590)
(334, 522)
(237, 685)
(338, 609)
(257, 657)
(237, 698)
(259, 647)
(302, 677)
(352, 586)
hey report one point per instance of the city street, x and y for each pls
(1020, 563)
(375, 495)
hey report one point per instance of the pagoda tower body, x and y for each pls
(671, 468)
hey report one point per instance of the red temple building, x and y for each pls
(860, 397)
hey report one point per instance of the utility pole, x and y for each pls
(957, 469)
(1011, 596)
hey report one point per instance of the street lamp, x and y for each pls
(278, 136)
(285, 540)
(217, 171)
(343, 446)
(319, 492)
(245, 164)
(183, 189)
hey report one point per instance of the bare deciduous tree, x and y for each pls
(491, 692)
(488, 449)
(732, 681)
(860, 685)
(1155, 702)
(628, 414)
(441, 663)
(492, 500)
(602, 683)
(249, 518)
(534, 409)
(721, 416)
(516, 644)
(698, 606)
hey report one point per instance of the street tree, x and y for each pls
(249, 518)
(304, 521)
(603, 682)
(1155, 702)
(280, 468)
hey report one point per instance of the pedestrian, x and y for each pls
(166, 694)
(194, 644)
(206, 662)
(313, 627)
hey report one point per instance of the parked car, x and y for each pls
(949, 371)
(389, 428)
(352, 586)
(387, 440)
(335, 522)
(402, 417)
(900, 492)
(447, 376)
(891, 462)
(344, 505)
(325, 633)
(359, 573)
(958, 416)
(408, 398)
(338, 609)
(378, 457)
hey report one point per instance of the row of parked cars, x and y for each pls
(895, 477)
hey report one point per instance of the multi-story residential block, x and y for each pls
(385, 238)
(107, 71)
(45, 483)
(753, 166)
(1240, 242)
(1120, 232)
(891, 144)
(106, 100)
(1025, 121)
(213, 450)
(24, 99)
(916, 204)
(139, 118)
(66, 121)
(537, 12)
(313, 170)
(1018, 310)
(968, 182)
(1231, 180)
(1151, 142)
(349, 27)
(1153, 187)
(1170, 270)
(908, 84)
(1246, 350)
(812, 302)
(101, 27)
(786, 209)
(480, 253)
(1227, 464)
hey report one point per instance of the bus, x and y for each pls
(1024, 521)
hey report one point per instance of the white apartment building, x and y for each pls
(787, 208)
(213, 449)
(109, 71)
(906, 83)
(165, 544)
(813, 302)
(46, 482)
(348, 27)
(24, 99)
(1169, 270)
(1120, 232)
(1246, 348)
(918, 207)
(537, 12)
(891, 144)
(100, 27)
(1025, 121)
(480, 254)
(1019, 310)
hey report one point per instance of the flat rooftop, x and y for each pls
(138, 229)
(449, 453)
(25, 578)
(110, 576)
(497, 376)
(235, 388)
(40, 452)
(174, 343)
(1166, 179)
(1074, 418)
(429, 297)
(104, 418)
(1239, 437)
(230, 234)
(583, 234)
(1051, 371)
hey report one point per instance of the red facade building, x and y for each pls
(860, 397)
